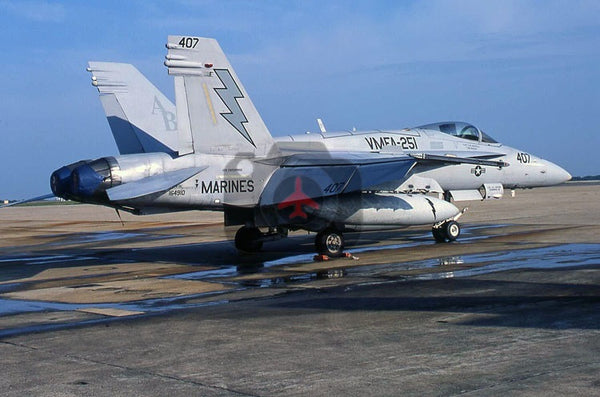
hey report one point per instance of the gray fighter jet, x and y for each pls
(219, 155)
(143, 120)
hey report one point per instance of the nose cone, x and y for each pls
(556, 175)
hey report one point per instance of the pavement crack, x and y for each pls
(516, 379)
(132, 369)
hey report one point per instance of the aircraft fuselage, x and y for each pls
(524, 169)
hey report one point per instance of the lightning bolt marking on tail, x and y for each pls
(229, 94)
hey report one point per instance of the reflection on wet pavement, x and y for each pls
(559, 256)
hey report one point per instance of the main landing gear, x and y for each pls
(251, 239)
(330, 242)
(248, 239)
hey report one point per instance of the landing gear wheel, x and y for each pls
(330, 242)
(451, 230)
(447, 231)
(247, 239)
(438, 234)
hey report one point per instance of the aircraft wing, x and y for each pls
(152, 184)
(328, 173)
(460, 158)
(325, 174)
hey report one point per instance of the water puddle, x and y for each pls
(45, 259)
(97, 237)
(149, 307)
(158, 305)
(228, 271)
(567, 255)
(21, 258)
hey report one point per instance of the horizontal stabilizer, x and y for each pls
(30, 200)
(141, 118)
(152, 184)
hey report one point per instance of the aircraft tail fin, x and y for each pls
(141, 118)
(214, 111)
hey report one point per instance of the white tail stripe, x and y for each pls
(210, 105)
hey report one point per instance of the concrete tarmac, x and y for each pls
(165, 305)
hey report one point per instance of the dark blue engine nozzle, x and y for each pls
(85, 181)
(60, 180)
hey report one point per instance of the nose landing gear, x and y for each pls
(448, 230)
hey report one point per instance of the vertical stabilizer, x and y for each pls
(141, 118)
(214, 110)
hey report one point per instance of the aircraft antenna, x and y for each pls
(321, 125)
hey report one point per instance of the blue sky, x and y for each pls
(526, 72)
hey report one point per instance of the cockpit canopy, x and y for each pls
(460, 129)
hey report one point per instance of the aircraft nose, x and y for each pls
(556, 174)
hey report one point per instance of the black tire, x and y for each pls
(451, 230)
(330, 242)
(438, 234)
(247, 239)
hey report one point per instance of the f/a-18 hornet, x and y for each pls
(217, 154)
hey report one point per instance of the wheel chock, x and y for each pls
(320, 258)
(323, 257)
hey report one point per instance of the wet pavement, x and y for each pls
(94, 280)
(72, 282)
